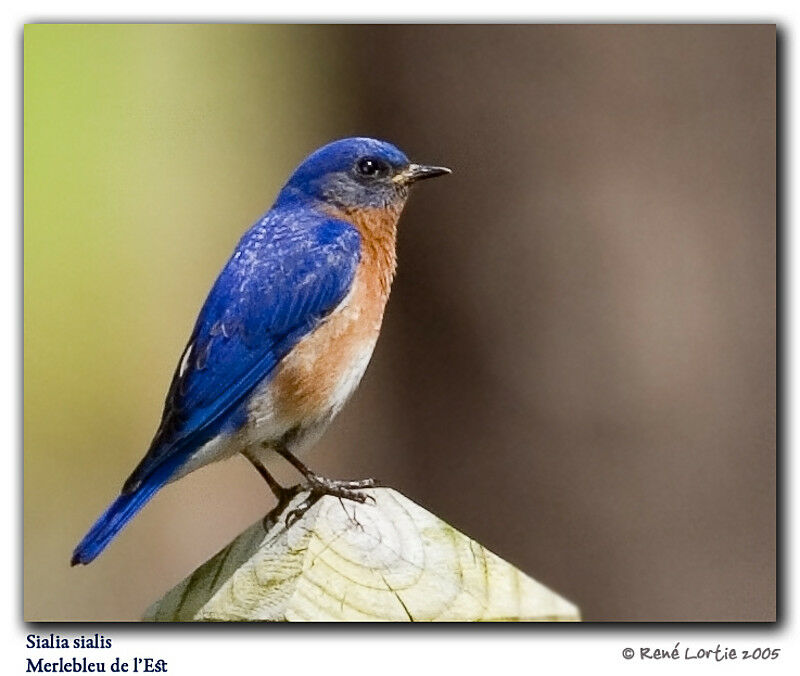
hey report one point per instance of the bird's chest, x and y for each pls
(314, 381)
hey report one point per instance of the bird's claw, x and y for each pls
(320, 486)
(297, 513)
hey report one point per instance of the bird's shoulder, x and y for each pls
(287, 256)
(292, 242)
(288, 271)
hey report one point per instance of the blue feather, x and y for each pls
(122, 510)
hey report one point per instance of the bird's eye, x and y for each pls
(373, 167)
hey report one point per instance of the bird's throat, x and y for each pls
(378, 230)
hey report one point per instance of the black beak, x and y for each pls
(417, 172)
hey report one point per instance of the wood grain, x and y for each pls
(390, 560)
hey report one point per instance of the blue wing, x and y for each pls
(286, 275)
(288, 272)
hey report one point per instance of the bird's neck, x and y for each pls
(378, 230)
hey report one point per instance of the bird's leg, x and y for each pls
(325, 485)
(320, 485)
(282, 494)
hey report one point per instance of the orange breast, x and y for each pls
(320, 373)
(324, 368)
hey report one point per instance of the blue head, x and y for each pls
(357, 173)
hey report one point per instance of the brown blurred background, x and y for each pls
(577, 366)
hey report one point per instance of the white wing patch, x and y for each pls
(187, 353)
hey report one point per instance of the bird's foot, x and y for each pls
(318, 486)
(285, 495)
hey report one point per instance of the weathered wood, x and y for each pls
(343, 561)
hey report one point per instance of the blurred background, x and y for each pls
(577, 365)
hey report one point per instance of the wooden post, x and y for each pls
(343, 561)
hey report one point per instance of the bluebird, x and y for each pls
(286, 332)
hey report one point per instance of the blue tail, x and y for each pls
(122, 510)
